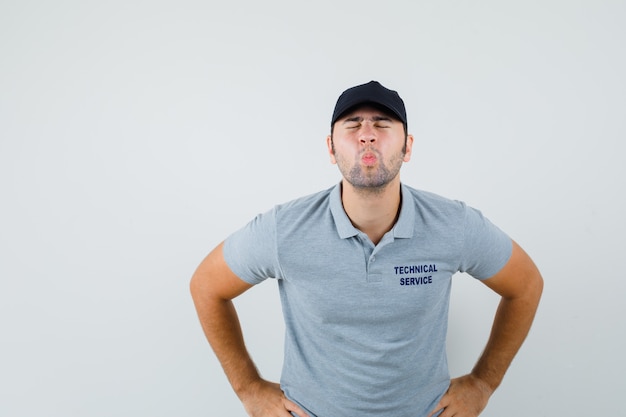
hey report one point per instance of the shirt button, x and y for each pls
(373, 259)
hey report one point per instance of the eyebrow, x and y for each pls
(374, 118)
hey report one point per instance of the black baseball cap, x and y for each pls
(371, 93)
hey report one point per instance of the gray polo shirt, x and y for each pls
(366, 324)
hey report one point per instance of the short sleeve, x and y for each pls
(486, 248)
(250, 252)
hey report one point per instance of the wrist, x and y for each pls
(247, 387)
(486, 383)
(245, 378)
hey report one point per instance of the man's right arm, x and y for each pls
(213, 287)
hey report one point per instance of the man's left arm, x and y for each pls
(520, 285)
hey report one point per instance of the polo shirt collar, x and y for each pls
(406, 221)
(402, 229)
(342, 221)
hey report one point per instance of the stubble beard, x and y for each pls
(370, 180)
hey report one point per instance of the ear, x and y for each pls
(329, 145)
(409, 148)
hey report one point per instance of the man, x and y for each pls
(364, 271)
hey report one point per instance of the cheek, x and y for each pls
(342, 147)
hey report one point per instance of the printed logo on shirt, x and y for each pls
(421, 274)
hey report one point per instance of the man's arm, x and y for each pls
(520, 285)
(213, 286)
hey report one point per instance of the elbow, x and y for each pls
(537, 287)
(196, 286)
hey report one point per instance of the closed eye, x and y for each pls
(352, 122)
(382, 121)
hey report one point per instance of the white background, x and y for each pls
(136, 135)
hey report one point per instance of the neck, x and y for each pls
(372, 211)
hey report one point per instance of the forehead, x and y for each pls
(368, 111)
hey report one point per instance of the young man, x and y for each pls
(364, 271)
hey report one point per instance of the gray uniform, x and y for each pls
(366, 324)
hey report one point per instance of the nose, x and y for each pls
(367, 134)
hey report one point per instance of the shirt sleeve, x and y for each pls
(250, 252)
(486, 248)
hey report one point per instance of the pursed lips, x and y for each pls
(368, 157)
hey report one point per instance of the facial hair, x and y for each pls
(370, 179)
